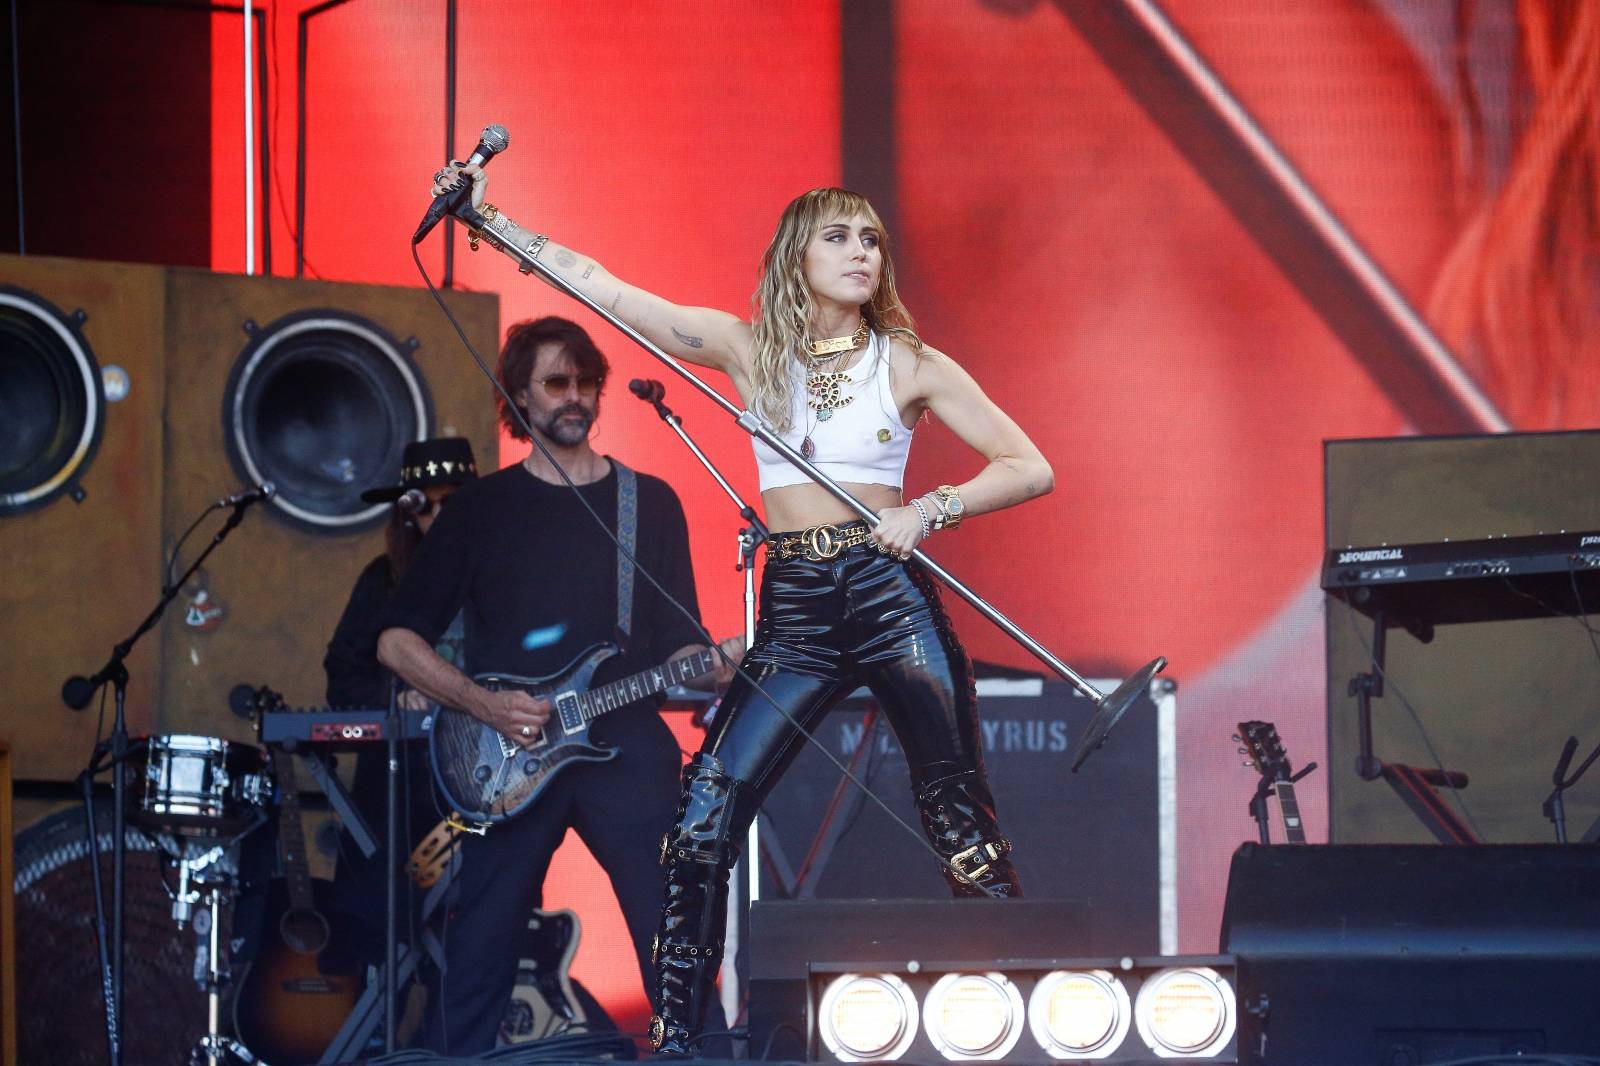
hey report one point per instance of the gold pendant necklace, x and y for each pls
(825, 388)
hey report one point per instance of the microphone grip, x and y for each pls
(441, 206)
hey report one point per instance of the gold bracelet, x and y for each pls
(535, 246)
(489, 213)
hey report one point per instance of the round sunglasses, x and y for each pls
(558, 384)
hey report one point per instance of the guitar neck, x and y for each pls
(608, 697)
(292, 836)
(1294, 830)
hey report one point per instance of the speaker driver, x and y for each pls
(322, 403)
(52, 402)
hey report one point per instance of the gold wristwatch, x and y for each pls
(950, 503)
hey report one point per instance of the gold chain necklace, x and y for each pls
(825, 388)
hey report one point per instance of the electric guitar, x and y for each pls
(542, 1000)
(1261, 744)
(488, 779)
(286, 1008)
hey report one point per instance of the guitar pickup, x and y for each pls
(571, 714)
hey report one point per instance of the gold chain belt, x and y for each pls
(819, 543)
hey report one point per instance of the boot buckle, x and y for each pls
(984, 853)
(658, 1031)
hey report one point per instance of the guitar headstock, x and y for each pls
(1265, 749)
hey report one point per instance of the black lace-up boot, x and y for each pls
(698, 852)
(958, 816)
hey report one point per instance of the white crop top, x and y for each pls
(864, 441)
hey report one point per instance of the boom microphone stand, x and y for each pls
(751, 537)
(1108, 707)
(76, 693)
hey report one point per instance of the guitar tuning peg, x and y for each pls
(1242, 751)
(1246, 765)
(1237, 739)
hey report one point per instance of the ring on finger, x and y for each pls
(527, 731)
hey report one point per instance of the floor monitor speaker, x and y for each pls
(1371, 955)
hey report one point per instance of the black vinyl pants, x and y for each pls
(826, 628)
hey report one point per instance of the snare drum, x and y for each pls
(200, 786)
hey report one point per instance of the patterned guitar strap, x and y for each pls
(627, 538)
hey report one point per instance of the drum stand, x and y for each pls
(214, 1048)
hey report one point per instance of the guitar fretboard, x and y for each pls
(291, 835)
(1293, 829)
(620, 693)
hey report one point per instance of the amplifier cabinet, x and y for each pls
(1103, 837)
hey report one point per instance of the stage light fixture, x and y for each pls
(867, 1017)
(1186, 1011)
(1079, 1014)
(973, 1016)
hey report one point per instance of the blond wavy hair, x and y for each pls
(782, 305)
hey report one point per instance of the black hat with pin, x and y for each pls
(437, 461)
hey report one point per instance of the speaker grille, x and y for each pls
(322, 404)
(51, 401)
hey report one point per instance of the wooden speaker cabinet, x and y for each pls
(229, 380)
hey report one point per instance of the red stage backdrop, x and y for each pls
(1050, 238)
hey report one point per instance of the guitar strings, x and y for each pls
(522, 421)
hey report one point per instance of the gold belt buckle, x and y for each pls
(824, 541)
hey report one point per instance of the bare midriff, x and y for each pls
(795, 507)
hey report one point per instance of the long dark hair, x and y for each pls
(400, 539)
(522, 348)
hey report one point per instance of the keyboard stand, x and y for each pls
(1416, 786)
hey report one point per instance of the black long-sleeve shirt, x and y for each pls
(537, 578)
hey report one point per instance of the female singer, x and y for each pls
(833, 362)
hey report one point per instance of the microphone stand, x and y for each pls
(1108, 707)
(751, 537)
(76, 693)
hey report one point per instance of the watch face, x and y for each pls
(954, 505)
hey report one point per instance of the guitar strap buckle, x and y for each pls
(454, 822)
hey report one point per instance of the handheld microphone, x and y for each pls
(491, 142)
(251, 495)
(648, 389)
(412, 501)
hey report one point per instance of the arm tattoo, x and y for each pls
(693, 342)
(1033, 490)
(565, 258)
(615, 300)
(587, 271)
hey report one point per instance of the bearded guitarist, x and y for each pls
(539, 584)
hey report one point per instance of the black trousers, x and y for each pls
(827, 628)
(619, 809)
